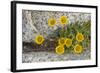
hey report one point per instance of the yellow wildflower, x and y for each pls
(79, 37)
(39, 39)
(64, 20)
(62, 41)
(60, 49)
(51, 22)
(68, 42)
(78, 49)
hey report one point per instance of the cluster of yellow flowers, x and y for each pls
(68, 42)
(62, 42)
(78, 48)
(63, 20)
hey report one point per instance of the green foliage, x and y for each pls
(55, 34)
(70, 31)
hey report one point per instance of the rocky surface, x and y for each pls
(35, 22)
(44, 56)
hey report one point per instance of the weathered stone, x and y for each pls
(36, 22)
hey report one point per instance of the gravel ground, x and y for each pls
(31, 57)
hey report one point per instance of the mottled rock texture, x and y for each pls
(36, 22)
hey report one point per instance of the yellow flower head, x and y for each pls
(51, 22)
(68, 42)
(62, 41)
(78, 49)
(64, 20)
(39, 39)
(79, 37)
(60, 49)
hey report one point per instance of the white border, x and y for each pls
(21, 65)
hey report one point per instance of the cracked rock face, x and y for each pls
(36, 22)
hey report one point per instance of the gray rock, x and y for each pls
(36, 22)
(32, 57)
